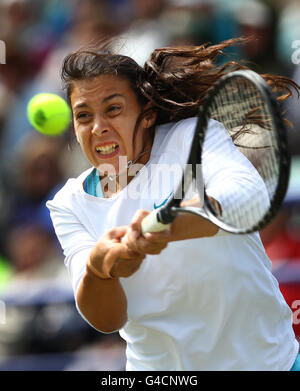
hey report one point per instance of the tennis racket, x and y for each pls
(244, 104)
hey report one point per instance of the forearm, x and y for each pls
(187, 226)
(191, 227)
(102, 302)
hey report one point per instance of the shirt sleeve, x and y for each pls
(75, 241)
(227, 176)
(232, 180)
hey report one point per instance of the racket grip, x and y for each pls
(151, 224)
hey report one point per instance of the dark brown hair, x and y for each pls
(174, 79)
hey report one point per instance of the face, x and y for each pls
(105, 111)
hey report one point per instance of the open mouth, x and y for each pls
(108, 150)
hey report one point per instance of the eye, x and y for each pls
(113, 109)
(83, 117)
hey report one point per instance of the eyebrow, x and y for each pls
(80, 105)
(111, 97)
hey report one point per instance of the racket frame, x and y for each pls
(172, 208)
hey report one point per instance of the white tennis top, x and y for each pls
(201, 304)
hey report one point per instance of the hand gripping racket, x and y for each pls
(244, 104)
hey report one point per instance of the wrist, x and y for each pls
(95, 272)
(96, 266)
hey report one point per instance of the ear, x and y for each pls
(150, 118)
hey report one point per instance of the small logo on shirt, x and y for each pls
(163, 203)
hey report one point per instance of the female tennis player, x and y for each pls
(192, 297)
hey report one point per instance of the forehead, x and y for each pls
(100, 87)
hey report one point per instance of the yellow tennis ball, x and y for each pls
(49, 113)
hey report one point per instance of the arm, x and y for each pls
(183, 227)
(190, 226)
(102, 302)
(100, 299)
(100, 296)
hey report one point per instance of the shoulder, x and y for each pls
(72, 187)
(178, 136)
(185, 128)
(174, 135)
(178, 128)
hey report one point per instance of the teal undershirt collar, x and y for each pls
(296, 366)
(92, 184)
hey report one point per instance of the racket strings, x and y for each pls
(241, 108)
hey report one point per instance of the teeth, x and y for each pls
(107, 149)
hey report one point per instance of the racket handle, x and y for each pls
(151, 224)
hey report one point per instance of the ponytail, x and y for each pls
(179, 78)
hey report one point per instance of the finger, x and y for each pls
(146, 247)
(152, 243)
(122, 251)
(131, 240)
(157, 237)
(128, 236)
(137, 220)
(117, 232)
(195, 201)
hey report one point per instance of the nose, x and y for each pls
(100, 126)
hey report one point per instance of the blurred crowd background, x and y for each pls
(40, 328)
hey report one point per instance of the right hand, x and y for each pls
(110, 258)
(149, 243)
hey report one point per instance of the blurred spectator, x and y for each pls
(88, 22)
(32, 28)
(257, 21)
(29, 182)
(40, 313)
(281, 237)
(38, 34)
(7, 97)
(36, 264)
(106, 355)
(32, 253)
(147, 32)
(190, 22)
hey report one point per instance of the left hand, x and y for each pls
(111, 258)
(150, 243)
